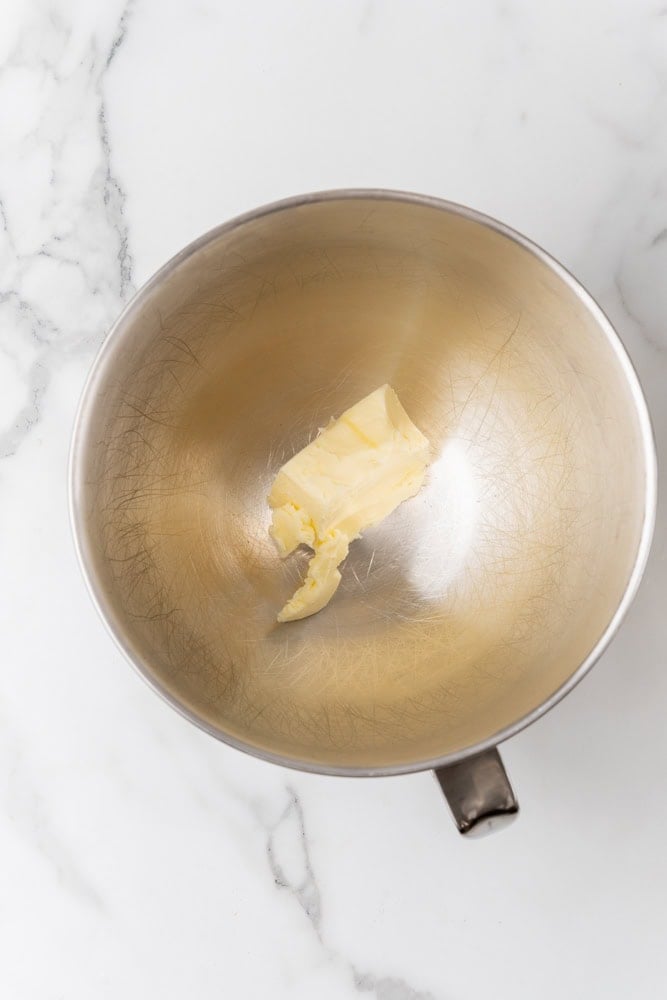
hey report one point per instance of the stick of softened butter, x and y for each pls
(355, 473)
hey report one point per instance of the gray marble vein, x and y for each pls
(66, 270)
(302, 885)
(292, 869)
(114, 195)
(388, 988)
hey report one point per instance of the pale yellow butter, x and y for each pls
(355, 473)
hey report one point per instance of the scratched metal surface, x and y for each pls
(467, 607)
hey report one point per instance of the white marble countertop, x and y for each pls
(138, 857)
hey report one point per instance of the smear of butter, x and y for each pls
(355, 473)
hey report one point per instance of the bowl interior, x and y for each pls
(473, 602)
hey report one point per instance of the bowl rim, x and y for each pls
(86, 406)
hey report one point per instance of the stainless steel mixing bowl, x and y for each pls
(475, 606)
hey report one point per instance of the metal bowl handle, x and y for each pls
(479, 793)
